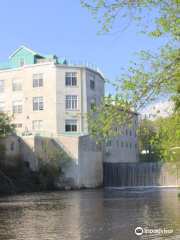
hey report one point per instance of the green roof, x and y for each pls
(107, 94)
(62, 61)
(5, 65)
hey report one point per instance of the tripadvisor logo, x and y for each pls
(138, 231)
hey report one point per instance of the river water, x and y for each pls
(107, 214)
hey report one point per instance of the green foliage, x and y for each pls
(52, 155)
(6, 126)
(156, 75)
(147, 132)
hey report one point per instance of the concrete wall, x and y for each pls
(86, 169)
(7, 142)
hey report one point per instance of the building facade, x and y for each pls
(44, 93)
(49, 97)
(40, 89)
(123, 148)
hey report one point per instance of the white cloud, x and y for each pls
(163, 107)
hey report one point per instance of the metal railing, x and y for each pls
(44, 134)
(85, 63)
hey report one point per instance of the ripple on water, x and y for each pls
(90, 214)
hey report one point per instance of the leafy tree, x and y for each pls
(147, 132)
(6, 127)
(52, 155)
(156, 76)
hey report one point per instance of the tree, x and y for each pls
(156, 76)
(52, 155)
(6, 127)
(53, 161)
(147, 132)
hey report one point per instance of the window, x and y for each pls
(12, 147)
(93, 103)
(17, 107)
(130, 145)
(71, 101)
(92, 85)
(17, 85)
(135, 122)
(135, 145)
(1, 85)
(37, 80)
(126, 132)
(17, 125)
(117, 143)
(71, 126)
(38, 125)
(135, 134)
(37, 103)
(71, 79)
(21, 62)
(126, 144)
(1, 107)
(108, 143)
(130, 132)
(121, 144)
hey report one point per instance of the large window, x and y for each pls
(38, 125)
(17, 85)
(71, 126)
(17, 107)
(1, 107)
(1, 85)
(37, 103)
(71, 101)
(37, 80)
(71, 79)
(92, 83)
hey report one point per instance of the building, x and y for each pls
(123, 148)
(43, 92)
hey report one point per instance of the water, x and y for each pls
(139, 174)
(90, 214)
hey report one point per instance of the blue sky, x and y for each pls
(66, 29)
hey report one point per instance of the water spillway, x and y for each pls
(139, 175)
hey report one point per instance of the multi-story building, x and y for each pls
(50, 97)
(123, 148)
(40, 90)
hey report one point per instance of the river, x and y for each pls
(107, 214)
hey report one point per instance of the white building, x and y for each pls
(39, 89)
(123, 148)
(44, 92)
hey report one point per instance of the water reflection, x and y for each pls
(90, 214)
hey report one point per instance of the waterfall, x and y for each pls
(139, 175)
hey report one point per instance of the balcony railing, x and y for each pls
(85, 64)
(45, 134)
